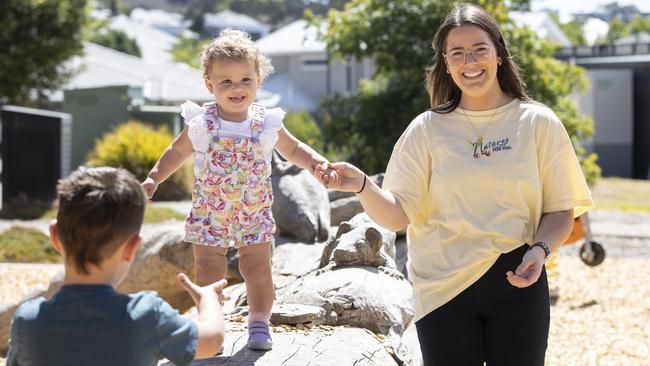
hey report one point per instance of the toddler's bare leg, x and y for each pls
(255, 267)
(210, 264)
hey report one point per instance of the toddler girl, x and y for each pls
(231, 141)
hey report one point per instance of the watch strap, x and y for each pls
(545, 248)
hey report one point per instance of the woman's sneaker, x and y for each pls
(259, 336)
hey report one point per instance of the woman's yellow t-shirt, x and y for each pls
(464, 211)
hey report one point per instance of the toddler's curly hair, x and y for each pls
(235, 45)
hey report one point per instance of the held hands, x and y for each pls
(149, 185)
(340, 176)
(198, 292)
(324, 175)
(529, 270)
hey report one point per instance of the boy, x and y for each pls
(87, 322)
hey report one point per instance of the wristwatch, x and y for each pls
(544, 246)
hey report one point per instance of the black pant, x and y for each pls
(491, 321)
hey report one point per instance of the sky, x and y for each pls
(566, 7)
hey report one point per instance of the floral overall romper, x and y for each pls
(232, 195)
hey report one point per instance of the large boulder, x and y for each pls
(378, 299)
(301, 207)
(357, 283)
(325, 347)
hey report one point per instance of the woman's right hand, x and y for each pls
(350, 178)
(149, 185)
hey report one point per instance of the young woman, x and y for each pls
(487, 184)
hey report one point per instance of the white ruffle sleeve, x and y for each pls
(269, 136)
(196, 129)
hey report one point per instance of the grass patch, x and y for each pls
(621, 194)
(152, 214)
(19, 244)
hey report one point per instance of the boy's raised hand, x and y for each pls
(197, 292)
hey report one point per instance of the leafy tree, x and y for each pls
(617, 29)
(398, 35)
(188, 50)
(304, 127)
(116, 40)
(520, 5)
(37, 37)
(639, 24)
(572, 29)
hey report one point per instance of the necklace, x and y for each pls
(477, 145)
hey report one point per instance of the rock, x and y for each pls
(162, 256)
(345, 205)
(378, 299)
(292, 260)
(340, 346)
(293, 314)
(344, 209)
(401, 255)
(301, 207)
(357, 283)
(361, 242)
(7, 314)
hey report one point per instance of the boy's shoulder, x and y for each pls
(29, 309)
(144, 301)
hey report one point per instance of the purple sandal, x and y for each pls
(259, 336)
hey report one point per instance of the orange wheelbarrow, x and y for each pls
(591, 252)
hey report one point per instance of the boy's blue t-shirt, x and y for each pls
(96, 325)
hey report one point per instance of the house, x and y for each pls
(619, 102)
(172, 23)
(112, 87)
(213, 24)
(610, 11)
(304, 70)
(155, 45)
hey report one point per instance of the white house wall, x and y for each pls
(610, 102)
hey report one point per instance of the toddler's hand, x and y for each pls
(197, 292)
(325, 176)
(150, 186)
(331, 178)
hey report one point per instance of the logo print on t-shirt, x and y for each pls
(479, 148)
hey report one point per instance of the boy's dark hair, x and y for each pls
(99, 208)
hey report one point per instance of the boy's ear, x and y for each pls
(54, 237)
(208, 84)
(131, 247)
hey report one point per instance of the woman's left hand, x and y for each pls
(529, 270)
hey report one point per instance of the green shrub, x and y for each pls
(19, 244)
(304, 127)
(136, 147)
